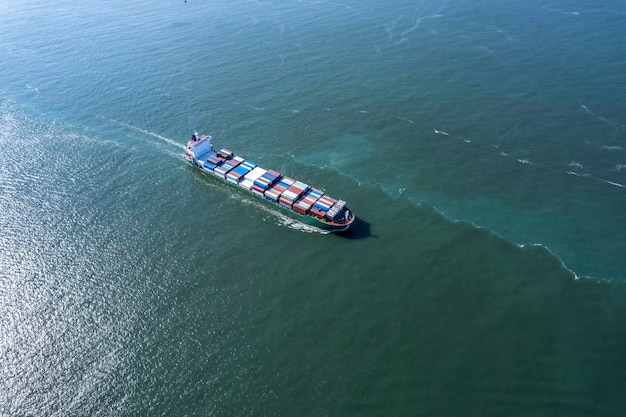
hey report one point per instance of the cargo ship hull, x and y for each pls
(293, 198)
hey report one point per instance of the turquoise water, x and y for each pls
(481, 146)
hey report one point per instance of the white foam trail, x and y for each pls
(418, 21)
(519, 245)
(603, 119)
(363, 111)
(403, 119)
(616, 184)
(612, 148)
(401, 41)
(439, 132)
(619, 167)
(577, 174)
(501, 31)
(412, 28)
(302, 227)
(525, 161)
(282, 219)
(576, 276)
(175, 155)
(575, 164)
(147, 132)
(572, 13)
(613, 183)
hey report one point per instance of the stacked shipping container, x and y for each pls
(271, 185)
(265, 181)
(250, 177)
(238, 173)
(321, 206)
(291, 194)
(336, 209)
(223, 169)
(303, 205)
(274, 192)
(225, 153)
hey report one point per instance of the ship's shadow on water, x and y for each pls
(360, 229)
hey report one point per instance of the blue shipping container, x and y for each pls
(321, 207)
(241, 170)
(261, 184)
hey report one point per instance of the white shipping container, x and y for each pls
(246, 183)
(303, 204)
(255, 174)
(257, 192)
(273, 192)
(290, 195)
(221, 171)
(249, 165)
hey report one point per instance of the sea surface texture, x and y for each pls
(481, 144)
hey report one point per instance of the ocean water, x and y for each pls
(482, 146)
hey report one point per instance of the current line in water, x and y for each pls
(147, 132)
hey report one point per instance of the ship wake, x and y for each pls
(282, 219)
(147, 132)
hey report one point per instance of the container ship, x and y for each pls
(299, 200)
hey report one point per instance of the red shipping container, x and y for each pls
(295, 190)
(257, 189)
(298, 209)
(285, 202)
(316, 212)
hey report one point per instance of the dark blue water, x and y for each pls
(480, 144)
